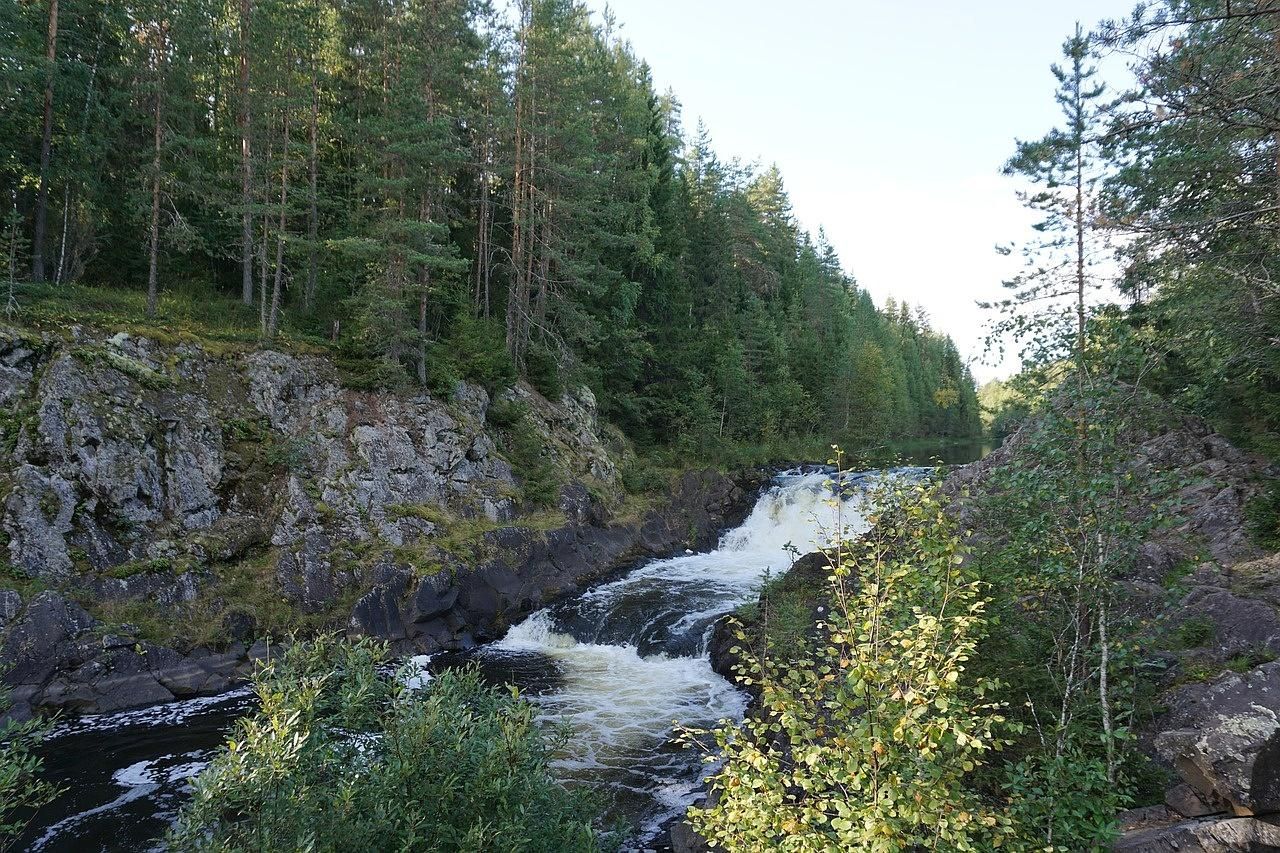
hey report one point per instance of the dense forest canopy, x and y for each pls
(442, 190)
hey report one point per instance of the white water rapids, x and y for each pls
(629, 657)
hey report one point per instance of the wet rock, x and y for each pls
(377, 614)
(685, 840)
(185, 677)
(240, 625)
(42, 639)
(436, 594)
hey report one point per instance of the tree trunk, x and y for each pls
(521, 208)
(11, 304)
(84, 128)
(246, 161)
(422, 329)
(46, 143)
(1104, 694)
(162, 32)
(262, 283)
(273, 319)
(313, 211)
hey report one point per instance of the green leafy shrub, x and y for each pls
(283, 452)
(639, 478)
(21, 789)
(1067, 798)
(523, 445)
(480, 348)
(866, 740)
(341, 757)
(1194, 633)
(539, 480)
(542, 366)
(506, 413)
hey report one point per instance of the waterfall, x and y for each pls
(625, 660)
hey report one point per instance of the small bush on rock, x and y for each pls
(341, 757)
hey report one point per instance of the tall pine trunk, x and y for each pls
(522, 227)
(153, 260)
(60, 269)
(273, 319)
(46, 143)
(246, 160)
(313, 167)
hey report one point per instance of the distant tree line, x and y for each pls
(445, 190)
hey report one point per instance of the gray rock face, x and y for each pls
(61, 658)
(1239, 626)
(1222, 739)
(127, 449)
(462, 605)
(147, 472)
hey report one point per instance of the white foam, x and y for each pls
(169, 714)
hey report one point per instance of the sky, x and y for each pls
(889, 120)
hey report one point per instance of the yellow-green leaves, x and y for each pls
(871, 744)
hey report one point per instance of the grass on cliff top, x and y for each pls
(193, 314)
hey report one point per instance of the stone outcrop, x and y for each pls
(1223, 738)
(219, 486)
(58, 656)
(1168, 833)
(523, 568)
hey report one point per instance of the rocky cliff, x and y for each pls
(166, 503)
(1206, 597)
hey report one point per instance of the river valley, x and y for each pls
(616, 664)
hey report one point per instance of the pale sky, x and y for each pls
(890, 122)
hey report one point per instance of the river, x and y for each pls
(617, 664)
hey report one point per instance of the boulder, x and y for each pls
(1188, 802)
(43, 639)
(1224, 740)
(685, 840)
(1259, 579)
(435, 595)
(1240, 626)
